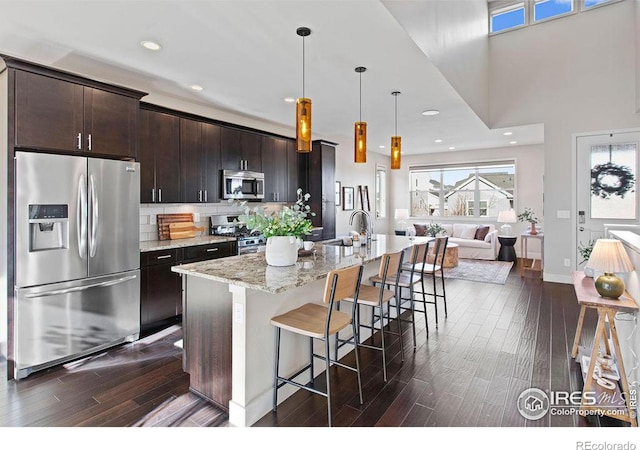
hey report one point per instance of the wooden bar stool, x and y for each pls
(432, 269)
(406, 281)
(379, 297)
(321, 322)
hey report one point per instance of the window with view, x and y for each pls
(481, 190)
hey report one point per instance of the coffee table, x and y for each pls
(450, 256)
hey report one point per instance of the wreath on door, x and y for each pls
(611, 179)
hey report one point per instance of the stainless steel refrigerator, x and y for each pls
(77, 263)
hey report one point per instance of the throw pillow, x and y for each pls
(469, 231)
(421, 230)
(448, 229)
(457, 230)
(482, 232)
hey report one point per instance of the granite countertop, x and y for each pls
(251, 271)
(150, 246)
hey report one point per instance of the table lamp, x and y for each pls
(506, 217)
(401, 215)
(609, 256)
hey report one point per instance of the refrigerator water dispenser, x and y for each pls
(48, 227)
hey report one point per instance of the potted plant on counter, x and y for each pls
(283, 229)
(528, 216)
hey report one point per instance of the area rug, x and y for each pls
(480, 270)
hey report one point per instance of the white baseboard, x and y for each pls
(557, 278)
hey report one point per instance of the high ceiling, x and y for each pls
(248, 58)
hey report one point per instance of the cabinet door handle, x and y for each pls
(79, 141)
(205, 196)
(160, 195)
(164, 257)
(200, 195)
(212, 250)
(89, 139)
(153, 195)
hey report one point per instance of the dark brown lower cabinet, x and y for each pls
(161, 289)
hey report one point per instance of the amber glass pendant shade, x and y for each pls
(396, 149)
(303, 125)
(360, 139)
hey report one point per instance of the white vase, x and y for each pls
(281, 250)
(588, 271)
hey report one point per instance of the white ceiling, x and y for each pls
(248, 57)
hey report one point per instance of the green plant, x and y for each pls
(585, 250)
(433, 229)
(289, 221)
(527, 216)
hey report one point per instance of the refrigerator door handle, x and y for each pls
(80, 288)
(81, 217)
(94, 216)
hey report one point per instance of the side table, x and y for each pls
(614, 402)
(507, 252)
(536, 266)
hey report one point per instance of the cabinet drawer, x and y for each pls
(169, 256)
(209, 251)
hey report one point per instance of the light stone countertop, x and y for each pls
(251, 271)
(150, 246)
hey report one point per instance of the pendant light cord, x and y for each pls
(360, 96)
(303, 67)
(396, 98)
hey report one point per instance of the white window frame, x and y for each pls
(478, 165)
(500, 7)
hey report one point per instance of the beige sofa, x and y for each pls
(471, 243)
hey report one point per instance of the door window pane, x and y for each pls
(613, 181)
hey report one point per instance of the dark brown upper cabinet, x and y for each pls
(240, 150)
(199, 161)
(59, 115)
(280, 167)
(159, 157)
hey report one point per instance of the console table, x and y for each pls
(535, 266)
(620, 406)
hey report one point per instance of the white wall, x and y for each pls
(3, 213)
(453, 34)
(351, 174)
(575, 74)
(529, 175)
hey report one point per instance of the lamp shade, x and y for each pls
(360, 139)
(609, 256)
(401, 214)
(396, 149)
(507, 216)
(303, 125)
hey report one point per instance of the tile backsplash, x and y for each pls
(201, 213)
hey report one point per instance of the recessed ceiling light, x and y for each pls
(196, 87)
(438, 140)
(452, 148)
(382, 146)
(289, 99)
(430, 112)
(507, 133)
(150, 45)
(513, 142)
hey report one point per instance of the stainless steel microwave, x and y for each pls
(242, 185)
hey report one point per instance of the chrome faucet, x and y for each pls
(369, 223)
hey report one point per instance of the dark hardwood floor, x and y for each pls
(497, 341)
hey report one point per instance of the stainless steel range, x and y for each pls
(247, 242)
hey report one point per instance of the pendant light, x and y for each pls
(360, 130)
(303, 108)
(396, 145)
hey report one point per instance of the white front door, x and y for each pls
(606, 185)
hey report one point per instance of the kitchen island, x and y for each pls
(228, 337)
